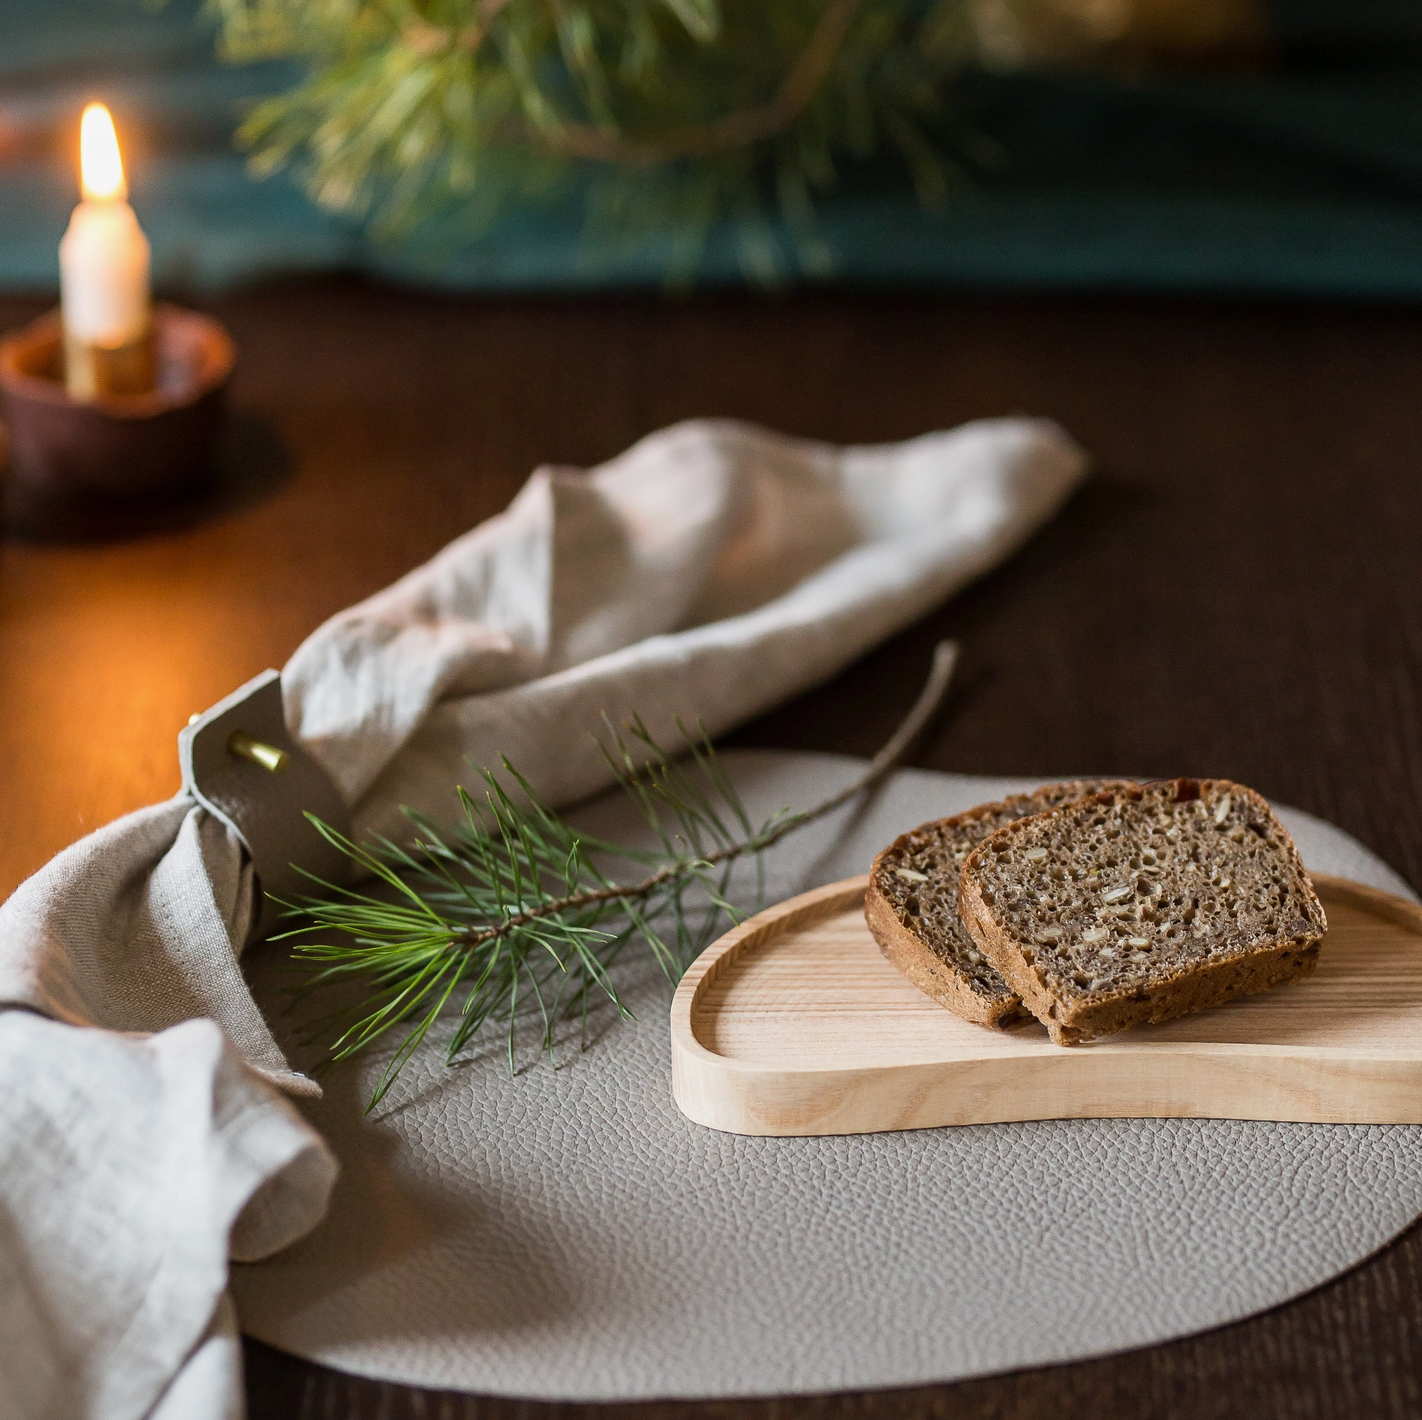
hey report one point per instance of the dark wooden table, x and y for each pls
(1238, 592)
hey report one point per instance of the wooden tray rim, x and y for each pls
(688, 1053)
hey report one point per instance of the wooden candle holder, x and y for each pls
(71, 461)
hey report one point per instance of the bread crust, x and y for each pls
(1071, 1020)
(930, 973)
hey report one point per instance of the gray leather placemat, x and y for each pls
(569, 1235)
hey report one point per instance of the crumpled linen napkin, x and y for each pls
(129, 1169)
(712, 570)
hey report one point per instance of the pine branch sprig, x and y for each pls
(517, 910)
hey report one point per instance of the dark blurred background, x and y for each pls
(1280, 153)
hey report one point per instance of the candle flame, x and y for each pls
(100, 166)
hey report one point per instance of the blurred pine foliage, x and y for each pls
(684, 111)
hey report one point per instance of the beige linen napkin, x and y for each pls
(712, 570)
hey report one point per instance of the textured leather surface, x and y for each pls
(266, 810)
(568, 1234)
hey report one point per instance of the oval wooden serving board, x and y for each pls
(793, 1023)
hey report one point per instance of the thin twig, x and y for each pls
(945, 658)
(733, 130)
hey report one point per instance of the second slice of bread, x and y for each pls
(1142, 904)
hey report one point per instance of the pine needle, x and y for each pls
(515, 910)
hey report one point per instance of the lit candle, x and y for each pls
(103, 275)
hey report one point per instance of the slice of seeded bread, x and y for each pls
(912, 905)
(1142, 904)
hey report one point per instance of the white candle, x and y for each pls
(103, 261)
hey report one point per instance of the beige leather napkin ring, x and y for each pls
(241, 764)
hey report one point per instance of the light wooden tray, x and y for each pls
(793, 1023)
